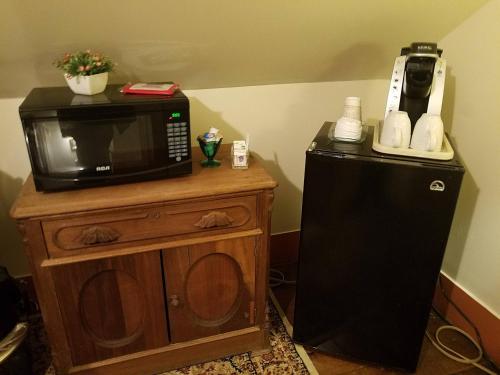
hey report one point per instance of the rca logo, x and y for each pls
(102, 168)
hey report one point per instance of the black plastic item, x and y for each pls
(11, 311)
(373, 237)
(419, 74)
(19, 362)
(10, 302)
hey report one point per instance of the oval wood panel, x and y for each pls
(112, 308)
(214, 302)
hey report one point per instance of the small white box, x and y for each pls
(239, 152)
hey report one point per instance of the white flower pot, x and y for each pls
(87, 85)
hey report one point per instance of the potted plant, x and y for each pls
(86, 72)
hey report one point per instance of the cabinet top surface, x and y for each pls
(203, 182)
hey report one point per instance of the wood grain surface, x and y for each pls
(210, 287)
(202, 182)
(157, 221)
(113, 306)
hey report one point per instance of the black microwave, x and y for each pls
(77, 141)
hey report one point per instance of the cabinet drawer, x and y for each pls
(131, 227)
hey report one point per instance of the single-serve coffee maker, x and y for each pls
(417, 82)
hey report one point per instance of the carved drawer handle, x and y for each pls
(174, 300)
(214, 219)
(98, 234)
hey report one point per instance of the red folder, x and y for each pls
(167, 88)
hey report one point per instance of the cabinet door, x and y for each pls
(210, 288)
(113, 306)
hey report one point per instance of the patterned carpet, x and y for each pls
(284, 357)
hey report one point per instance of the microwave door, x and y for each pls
(137, 146)
(90, 145)
(76, 148)
(56, 154)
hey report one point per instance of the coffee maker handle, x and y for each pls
(398, 135)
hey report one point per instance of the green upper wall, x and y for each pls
(224, 43)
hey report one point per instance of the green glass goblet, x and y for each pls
(209, 149)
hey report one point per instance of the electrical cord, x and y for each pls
(469, 321)
(449, 352)
(278, 279)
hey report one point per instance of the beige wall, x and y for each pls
(223, 43)
(14, 168)
(278, 43)
(472, 113)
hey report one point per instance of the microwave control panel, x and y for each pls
(178, 138)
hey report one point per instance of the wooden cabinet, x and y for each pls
(210, 287)
(146, 277)
(112, 306)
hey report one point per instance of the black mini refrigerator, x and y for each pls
(374, 231)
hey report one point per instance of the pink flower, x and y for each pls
(81, 68)
(87, 67)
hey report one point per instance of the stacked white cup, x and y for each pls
(349, 125)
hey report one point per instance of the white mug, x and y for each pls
(428, 133)
(396, 131)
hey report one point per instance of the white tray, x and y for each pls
(446, 152)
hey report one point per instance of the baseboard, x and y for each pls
(486, 322)
(285, 250)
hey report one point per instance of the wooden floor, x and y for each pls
(432, 362)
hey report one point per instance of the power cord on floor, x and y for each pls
(449, 352)
(277, 278)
